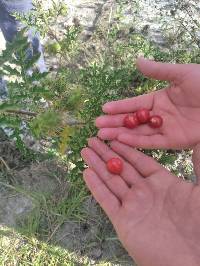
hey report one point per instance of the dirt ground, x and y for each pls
(29, 194)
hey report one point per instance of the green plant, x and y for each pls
(40, 18)
(45, 20)
(33, 100)
(112, 75)
(107, 74)
(24, 92)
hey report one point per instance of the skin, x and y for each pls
(178, 105)
(155, 214)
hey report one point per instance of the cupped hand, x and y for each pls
(178, 105)
(156, 215)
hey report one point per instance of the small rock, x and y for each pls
(96, 253)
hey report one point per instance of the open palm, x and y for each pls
(156, 215)
(178, 105)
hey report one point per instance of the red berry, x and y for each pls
(115, 166)
(131, 121)
(143, 115)
(155, 121)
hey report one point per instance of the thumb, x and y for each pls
(161, 71)
(196, 161)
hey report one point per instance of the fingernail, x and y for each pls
(83, 151)
(100, 134)
(98, 121)
(90, 140)
(106, 108)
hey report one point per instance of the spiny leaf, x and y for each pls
(45, 123)
(11, 70)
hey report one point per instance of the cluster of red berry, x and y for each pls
(142, 116)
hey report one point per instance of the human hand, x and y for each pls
(178, 105)
(156, 215)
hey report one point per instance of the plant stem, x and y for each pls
(21, 112)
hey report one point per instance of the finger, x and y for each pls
(129, 174)
(110, 121)
(129, 105)
(196, 161)
(114, 182)
(145, 142)
(101, 193)
(141, 162)
(115, 121)
(113, 133)
(161, 71)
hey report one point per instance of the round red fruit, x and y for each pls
(155, 121)
(143, 115)
(115, 166)
(131, 121)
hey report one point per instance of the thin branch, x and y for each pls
(5, 164)
(21, 112)
(53, 232)
(109, 20)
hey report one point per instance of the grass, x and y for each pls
(19, 250)
(16, 249)
(38, 238)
